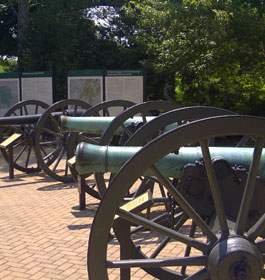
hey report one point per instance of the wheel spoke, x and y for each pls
(188, 248)
(144, 117)
(157, 219)
(19, 143)
(26, 110)
(148, 263)
(163, 230)
(36, 109)
(257, 229)
(66, 168)
(84, 138)
(54, 122)
(184, 204)
(75, 110)
(54, 133)
(106, 112)
(126, 130)
(249, 188)
(28, 156)
(179, 224)
(51, 153)
(219, 207)
(20, 153)
(200, 275)
(62, 152)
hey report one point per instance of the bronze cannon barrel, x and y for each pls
(93, 124)
(95, 158)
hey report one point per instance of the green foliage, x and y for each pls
(195, 52)
(215, 49)
(8, 28)
(8, 65)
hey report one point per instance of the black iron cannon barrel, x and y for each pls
(16, 120)
(32, 119)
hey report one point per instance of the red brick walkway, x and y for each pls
(43, 235)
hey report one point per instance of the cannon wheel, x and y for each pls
(102, 109)
(179, 116)
(226, 250)
(144, 109)
(155, 127)
(51, 144)
(24, 157)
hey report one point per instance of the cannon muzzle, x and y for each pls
(95, 158)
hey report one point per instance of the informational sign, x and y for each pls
(125, 85)
(9, 91)
(37, 86)
(86, 85)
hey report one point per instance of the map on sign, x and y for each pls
(9, 94)
(87, 89)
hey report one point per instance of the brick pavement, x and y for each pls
(43, 235)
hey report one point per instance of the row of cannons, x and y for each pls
(181, 190)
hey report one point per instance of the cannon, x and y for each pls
(116, 132)
(202, 217)
(63, 140)
(37, 125)
(43, 146)
(137, 134)
(20, 119)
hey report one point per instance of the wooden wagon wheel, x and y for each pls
(147, 132)
(106, 108)
(226, 244)
(143, 110)
(50, 143)
(24, 157)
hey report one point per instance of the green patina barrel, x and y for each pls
(94, 125)
(95, 158)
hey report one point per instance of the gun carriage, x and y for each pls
(209, 202)
(37, 124)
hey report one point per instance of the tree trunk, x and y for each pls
(23, 23)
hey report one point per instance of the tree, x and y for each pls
(23, 25)
(8, 27)
(63, 35)
(214, 48)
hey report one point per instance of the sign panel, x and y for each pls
(37, 86)
(86, 85)
(9, 91)
(125, 85)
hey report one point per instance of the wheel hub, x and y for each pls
(235, 258)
